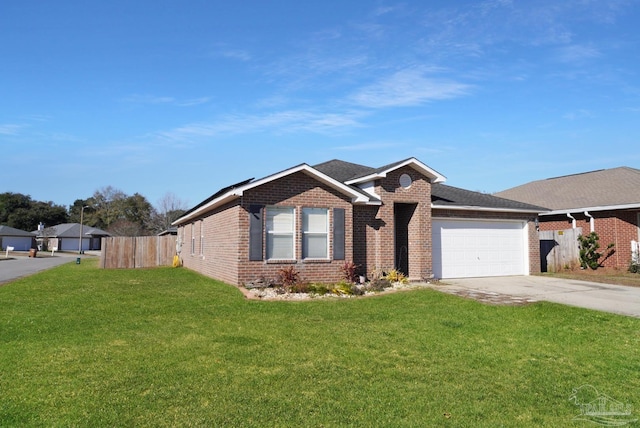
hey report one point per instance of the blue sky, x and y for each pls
(187, 97)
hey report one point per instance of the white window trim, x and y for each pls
(325, 234)
(268, 232)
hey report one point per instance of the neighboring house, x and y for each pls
(170, 231)
(66, 237)
(606, 201)
(20, 240)
(317, 218)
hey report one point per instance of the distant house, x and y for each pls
(20, 240)
(316, 218)
(66, 237)
(170, 231)
(605, 201)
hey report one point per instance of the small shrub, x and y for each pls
(634, 266)
(299, 287)
(288, 276)
(377, 273)
(357, 289)
(348, 270)
(589, 255)
(396, 276)
(379, 284)
(319, 289)
(342, 288)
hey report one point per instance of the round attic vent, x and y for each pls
(405, 181)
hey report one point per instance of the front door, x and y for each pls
(402, 217)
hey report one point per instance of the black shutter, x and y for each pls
(338, 233)
(255, 232)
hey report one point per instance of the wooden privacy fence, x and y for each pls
(137, 252)
(559, 249)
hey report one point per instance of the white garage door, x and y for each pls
(476, 248)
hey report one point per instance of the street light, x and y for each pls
(80, 238)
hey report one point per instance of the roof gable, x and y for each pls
(382, 172)
(602, 189)
(223, 196)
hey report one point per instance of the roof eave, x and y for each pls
(594, 208)
(487, 209)
(215, 203)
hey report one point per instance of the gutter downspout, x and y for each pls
(592, 225)
(573, 220)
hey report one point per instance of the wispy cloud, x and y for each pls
(282, 122)
(578, 114)
(160, 100)
(224, 50)
(148, 99)
(236, 54)
(577, 53)
(193, 102)
(409, 87)
(11, 129)
(367, 146)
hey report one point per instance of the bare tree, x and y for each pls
(169, 208)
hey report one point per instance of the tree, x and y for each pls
(20, 211)
(114, 211)
(169, 209)
(75, 211)
(104, 204)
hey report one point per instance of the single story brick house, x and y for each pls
(605, 201)
(317, 217)
(66, 237)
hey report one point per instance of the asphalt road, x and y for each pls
(17, 266)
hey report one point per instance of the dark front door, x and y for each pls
(402, 217)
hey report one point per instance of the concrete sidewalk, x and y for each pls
(18, 266)
(616, 299)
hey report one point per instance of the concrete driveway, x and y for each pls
(18, 266)
(617, 299)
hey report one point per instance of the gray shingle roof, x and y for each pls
(602, 188)
(343, 171)
(448, 196)
(72, 230)
(12, 231)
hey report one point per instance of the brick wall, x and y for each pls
(216, 234)
(617, 227)
(300, 191)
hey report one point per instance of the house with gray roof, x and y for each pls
(70, 237)
(606, 201)
(20, 240)
(316, 218)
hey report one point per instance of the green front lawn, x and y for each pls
(80, 346)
